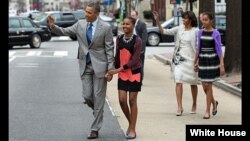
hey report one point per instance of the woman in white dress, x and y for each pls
(183, 57)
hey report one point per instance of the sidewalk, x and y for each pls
(157, 106)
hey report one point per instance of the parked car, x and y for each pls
(31, 14)
(79, 14)
(155, 37)
(112, 22)
(23, 31)
(62, 19)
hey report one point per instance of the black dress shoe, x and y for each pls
(93, 135)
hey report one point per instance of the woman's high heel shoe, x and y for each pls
(179, 113)
(215, 111)
(206, 117)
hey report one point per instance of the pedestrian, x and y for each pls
(140, 29)
(209, 60)
(183, 57)
(201, 14)
(128, 67)
(95, 57)
(30, 16)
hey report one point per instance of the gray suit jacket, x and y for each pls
(101, 49)
(141, 30)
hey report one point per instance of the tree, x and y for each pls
(206, 5)
(232, 57)
(128, 7)
(187, 1)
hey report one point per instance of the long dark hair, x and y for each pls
(191, 16)
(209, 15)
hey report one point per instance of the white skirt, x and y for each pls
(182, 67)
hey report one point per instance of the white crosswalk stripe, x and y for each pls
(60, 53)
(61, 38)
(11, 53)
(33, 53)
(37, 54)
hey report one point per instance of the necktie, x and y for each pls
(89, 33)
(89, 38)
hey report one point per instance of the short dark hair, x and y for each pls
(209, 15)
(136, 12)
(95, 5)
(131, 19)
(191, 16)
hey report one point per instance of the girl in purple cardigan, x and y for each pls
(209, 60)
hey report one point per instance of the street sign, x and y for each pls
(175, 1)
(107, 2)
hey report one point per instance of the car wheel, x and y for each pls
(35, 41)
(73, 38)
(153, 39)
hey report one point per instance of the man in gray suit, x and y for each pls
(140, 30)
(95, 57)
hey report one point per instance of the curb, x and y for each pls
(220, 84)
(163, 59)
(230, 88)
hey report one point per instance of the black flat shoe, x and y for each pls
(216, 105)
(93, 135)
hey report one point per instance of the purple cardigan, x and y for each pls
(217, 39)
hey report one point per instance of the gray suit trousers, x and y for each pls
(94, 93)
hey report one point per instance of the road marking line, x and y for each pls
(11, 59)
(60, 53)
(64, 38)
(38, 53)
(111, 109)
(35, 65)
(11, 53)
(31, 53)
(27, 66)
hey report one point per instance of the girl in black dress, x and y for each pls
(128, 67)
(209, 60)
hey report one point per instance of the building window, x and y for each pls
(218, 1)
